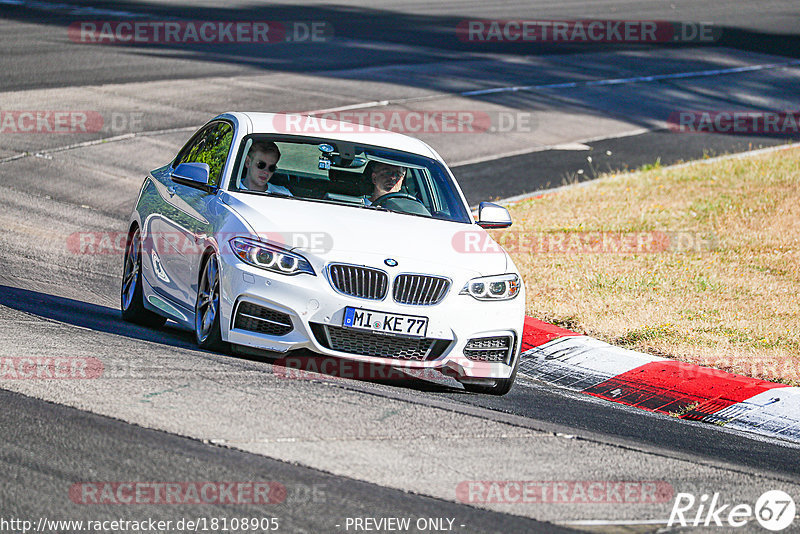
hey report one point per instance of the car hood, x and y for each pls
(336, 233)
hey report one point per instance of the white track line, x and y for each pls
(384, 103)
(101, 141)
(580, 144)
(611, 522)
(564, 85)
(635, 79)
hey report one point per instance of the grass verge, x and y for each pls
(698, 263)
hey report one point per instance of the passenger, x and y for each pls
(260, 164)
(385, 179)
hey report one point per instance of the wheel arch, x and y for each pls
(132, 227)
(209, 251)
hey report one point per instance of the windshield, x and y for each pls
(352, 175)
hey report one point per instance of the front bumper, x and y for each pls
(311, 304)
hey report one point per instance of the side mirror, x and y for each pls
(193, 175)
(493, 216)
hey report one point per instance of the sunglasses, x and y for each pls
(393, 174)
(263, 165)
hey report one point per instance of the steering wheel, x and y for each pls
(388, 196)
(402, 203)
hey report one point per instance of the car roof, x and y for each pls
(304, 125)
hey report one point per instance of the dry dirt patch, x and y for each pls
(698, 263)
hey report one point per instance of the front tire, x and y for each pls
(206, 309)
(131, 294)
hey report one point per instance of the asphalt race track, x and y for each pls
(343, 455)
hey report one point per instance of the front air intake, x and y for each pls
(490, 349)
(255, 318)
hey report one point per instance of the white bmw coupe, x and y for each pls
(342, 239)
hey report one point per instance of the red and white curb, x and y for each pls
(581, 363)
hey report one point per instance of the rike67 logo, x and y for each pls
(774, 510)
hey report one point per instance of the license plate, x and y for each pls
(387, 323)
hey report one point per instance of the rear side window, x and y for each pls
(210, 146)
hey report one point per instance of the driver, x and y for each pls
(261, 162)
(385, 179)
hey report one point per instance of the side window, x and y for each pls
(211, 146)
(437, 197)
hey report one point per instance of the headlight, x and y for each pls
(270, 257)
(500, 287)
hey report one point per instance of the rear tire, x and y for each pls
(206, 309)
(131, 294)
